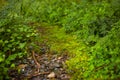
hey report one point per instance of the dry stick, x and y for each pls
(38, 65)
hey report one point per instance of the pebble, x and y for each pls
(51, 75)
(56, 65)
(64, 77)
(59, 58)
(52, 64)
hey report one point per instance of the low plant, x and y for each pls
(98, 27)
(15, 35)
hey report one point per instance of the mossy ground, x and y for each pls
(63, 43)
(58, 40)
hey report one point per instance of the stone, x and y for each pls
(56, 65)
(51, 75)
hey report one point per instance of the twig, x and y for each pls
(38, 65)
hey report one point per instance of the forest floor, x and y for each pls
(48, 63)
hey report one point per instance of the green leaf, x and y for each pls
(12, 65)
(19, 37)
(91, 67)
(12, 57)
(9, 45)
(21, 29)
(1, 59)
(6, 41)
(28, 35)
(8, 30)
(1, 41)
(22, 45)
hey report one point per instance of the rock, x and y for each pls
(56, 65)
(59, 58)
(32, 62)
(65, 77)
(46, 62)
(61, 69)
(51, 67)
(51, 75)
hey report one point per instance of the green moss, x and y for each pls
(61, 43)
(58, 40)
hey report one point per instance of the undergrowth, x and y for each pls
(56, 38)
(15, 36)
(94, 23)
(89, 30)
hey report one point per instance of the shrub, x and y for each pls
(14, 38)
(98, 26)
(95, 22)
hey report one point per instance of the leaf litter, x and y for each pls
(51, 68)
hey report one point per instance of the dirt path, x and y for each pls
(49, 63)
(51, 68)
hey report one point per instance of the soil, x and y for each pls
(51, 68)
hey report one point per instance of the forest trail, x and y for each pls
(58, 41)
(49, 63)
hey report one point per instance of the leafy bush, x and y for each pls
(98, 26)
(95, 22)
(49, 11)
(15, 35)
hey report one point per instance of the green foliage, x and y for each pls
(98, 26)
(15, 35)
(95, 22)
